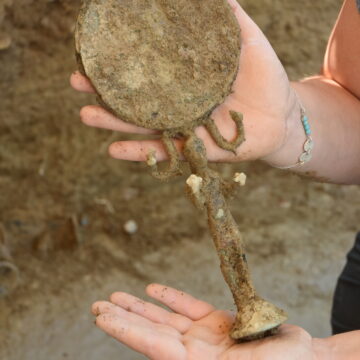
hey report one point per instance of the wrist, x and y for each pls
(292, 145)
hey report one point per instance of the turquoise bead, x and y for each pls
(306, 125)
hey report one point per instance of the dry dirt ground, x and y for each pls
(63, 202)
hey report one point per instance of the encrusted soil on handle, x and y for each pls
(254, 317)
(54, 170)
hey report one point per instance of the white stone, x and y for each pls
(131, 227)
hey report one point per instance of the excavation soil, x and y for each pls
(54, 170)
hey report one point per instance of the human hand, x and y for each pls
(195, 330)
(261, 92)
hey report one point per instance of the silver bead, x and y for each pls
(309, 145)
(305, 157)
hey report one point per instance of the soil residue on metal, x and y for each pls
(159, 64)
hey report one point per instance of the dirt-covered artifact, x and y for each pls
(165, 65)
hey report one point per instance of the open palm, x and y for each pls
(193, 330)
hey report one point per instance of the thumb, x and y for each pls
(250, 32)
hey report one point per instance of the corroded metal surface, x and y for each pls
(162, 63)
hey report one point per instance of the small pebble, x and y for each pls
(131, 227)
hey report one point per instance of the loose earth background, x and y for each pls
(54, 171)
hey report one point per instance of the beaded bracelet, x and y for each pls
(309, 143)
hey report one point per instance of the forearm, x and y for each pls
(334, 117)
(339, 347)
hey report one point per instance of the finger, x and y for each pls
(81, 83)
(98, 117)
(249, 30)
(103, 307)
(150, 311)
(180, 302)
(138, 150)
(145, 340)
